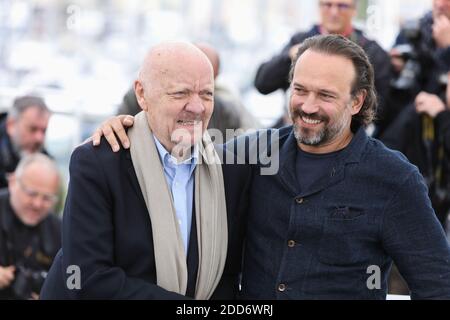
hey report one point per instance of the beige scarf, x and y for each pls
(210, 211)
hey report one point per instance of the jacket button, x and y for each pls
(291, 243)
(299, 200)
(281, 287)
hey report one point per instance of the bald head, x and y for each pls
(34, 188)
(164, 59)
(212, 55)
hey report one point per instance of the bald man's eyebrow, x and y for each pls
(207, 93)
(179, 93)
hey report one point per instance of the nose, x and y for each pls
(38, 202)
(39, 136)
(195, 105)
(334, 10)
(310, 105)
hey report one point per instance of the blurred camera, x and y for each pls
(27, 281)
(407, 78)
(411, 54)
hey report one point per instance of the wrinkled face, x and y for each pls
(179, 101)
(28, 131)
(336, 15)
(34, 193)
(441, 7)
(321, 104)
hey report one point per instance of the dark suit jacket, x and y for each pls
(107, 232)
(324, 242)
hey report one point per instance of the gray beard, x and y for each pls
(325, 135)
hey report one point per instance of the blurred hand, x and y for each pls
(112, 127)
(6, 276)
(429, 104)
(293, 51)
(441, 31)
(397, 62)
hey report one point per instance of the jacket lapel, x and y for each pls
(132, 176)
(287, 158)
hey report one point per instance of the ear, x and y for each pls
(11, 181)
(10, 123)
(358, 101)
(139, 92)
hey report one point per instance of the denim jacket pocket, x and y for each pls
(340, 243)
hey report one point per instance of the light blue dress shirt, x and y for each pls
(180, 179)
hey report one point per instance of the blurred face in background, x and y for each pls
(34, 193)
(337, 15)
(441, 8)
(27, 132)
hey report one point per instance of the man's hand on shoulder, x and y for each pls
(112, 129)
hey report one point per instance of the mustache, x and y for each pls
(189, 116)
(298, 113)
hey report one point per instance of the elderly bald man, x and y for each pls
(151, 222)
(30, 235)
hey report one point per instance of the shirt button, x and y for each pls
(299, 200)
(179, 222)
(281, 287)
(291, 243)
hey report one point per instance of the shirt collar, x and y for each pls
(168, 160)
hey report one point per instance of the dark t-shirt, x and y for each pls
(311, 167)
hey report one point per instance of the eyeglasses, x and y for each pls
(339, 5)
(49, 199)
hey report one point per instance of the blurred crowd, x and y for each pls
(413, 117)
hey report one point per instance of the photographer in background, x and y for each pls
(420, 132)
(419, 95)
(420, 58)
(336, 17)
(29, 235)
(22, 132)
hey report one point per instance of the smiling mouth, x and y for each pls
(188, 123)
(308, 120)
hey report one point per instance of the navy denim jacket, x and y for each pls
(328, 242)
